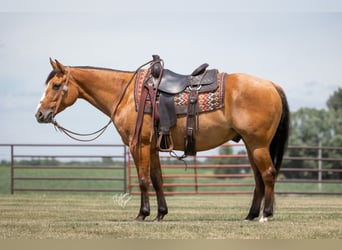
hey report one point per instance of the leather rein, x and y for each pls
(73, 135)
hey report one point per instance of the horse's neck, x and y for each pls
(102, 88)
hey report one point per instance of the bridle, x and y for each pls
(64, 89)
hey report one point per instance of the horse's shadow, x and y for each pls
(176, 220)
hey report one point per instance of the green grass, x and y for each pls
(5, 179)
(190, 217)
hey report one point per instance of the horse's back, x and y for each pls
(244, 86)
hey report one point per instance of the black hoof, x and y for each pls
(159, 217)
(140, 218)
(251, 217)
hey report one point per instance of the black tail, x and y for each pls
(279, 141)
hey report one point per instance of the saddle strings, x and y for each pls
(173, 154)
(99, 132)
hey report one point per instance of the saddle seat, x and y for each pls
(173, 83)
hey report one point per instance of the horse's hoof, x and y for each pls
(140, 218)
(159, 218)
(251, 217)
(247, 220)
(265, 219)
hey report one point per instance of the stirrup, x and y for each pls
(166, 141)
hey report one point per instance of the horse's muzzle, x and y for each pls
(44, 116)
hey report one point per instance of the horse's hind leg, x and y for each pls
(157, 181)
(268, 173)
(259, 191)
(265, 170)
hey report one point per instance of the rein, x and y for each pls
(73, 135)
(99, 132)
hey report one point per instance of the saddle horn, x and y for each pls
(156, 67)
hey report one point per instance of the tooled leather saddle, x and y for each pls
(159, 94)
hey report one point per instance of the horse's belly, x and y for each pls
(214, 129)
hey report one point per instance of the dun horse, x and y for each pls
(254, 110)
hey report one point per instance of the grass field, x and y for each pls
(52, 216)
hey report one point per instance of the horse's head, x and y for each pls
(59, 93)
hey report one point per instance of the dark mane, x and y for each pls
(54, 72)
(50, 76)
(100, 68)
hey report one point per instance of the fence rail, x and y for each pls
(110, 168)
(231, 174)
(48, 176)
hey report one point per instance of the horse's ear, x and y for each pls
(53, 63)
(60, 66)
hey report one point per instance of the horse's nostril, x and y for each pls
(39, 116)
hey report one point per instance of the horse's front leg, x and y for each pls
(157, 181)
(141, 156)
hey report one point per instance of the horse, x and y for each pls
(255, 110)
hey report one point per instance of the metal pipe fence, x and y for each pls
(67, 167)
(231, 173)
(110, 168)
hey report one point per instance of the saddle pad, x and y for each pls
(207, 101)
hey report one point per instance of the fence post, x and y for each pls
(129, 172)
(125, 169)
(12, 169)
(196, 176)
(319, 164)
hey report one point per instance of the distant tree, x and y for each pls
(335, 100)
(334, 104)
(224, 150)
(106, 160)
(308, 127)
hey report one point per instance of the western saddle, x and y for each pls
(159, 87)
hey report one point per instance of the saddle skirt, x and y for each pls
(208, 100)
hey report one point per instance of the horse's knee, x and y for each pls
(144, 184)
(269, 176)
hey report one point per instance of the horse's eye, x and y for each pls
(56, 86)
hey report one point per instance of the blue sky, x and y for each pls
(296, 44)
